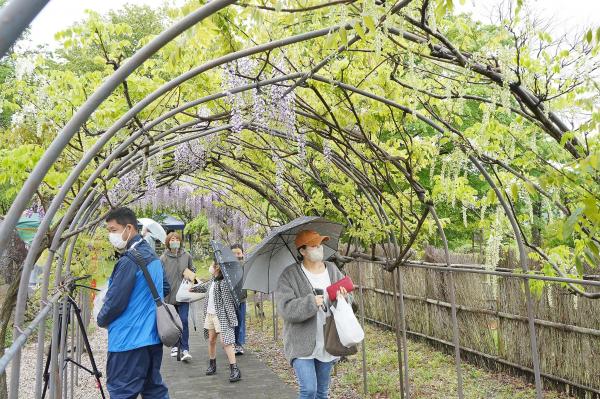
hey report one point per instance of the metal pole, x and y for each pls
(71, 365)
(78, 348)
(404, 338)
(455, 330)
(274, 316)
(18, 343)
(457, 269)
(42, 329)
(535, 356)
(15, 17)
(363, 345)
(399, 345)
(54, 346)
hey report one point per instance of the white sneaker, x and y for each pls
(186, 356)
(174, 352)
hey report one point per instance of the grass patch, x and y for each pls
(432, 373)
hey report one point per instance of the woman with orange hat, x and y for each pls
(302, 302)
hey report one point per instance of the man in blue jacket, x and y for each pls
(129, 312)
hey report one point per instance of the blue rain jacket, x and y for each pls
(129, 311)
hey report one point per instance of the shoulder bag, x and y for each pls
(168, 322)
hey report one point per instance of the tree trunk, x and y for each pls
(536, 232)
(5, 315)
(11, 262)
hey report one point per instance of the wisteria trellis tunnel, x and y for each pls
(274, 111)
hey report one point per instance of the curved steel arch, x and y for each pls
(15, 17)
(86, 203)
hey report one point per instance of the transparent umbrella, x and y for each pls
(155, 229)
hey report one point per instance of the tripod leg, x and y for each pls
(86, 341)
(46, 372)
(49, 358)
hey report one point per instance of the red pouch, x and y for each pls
(333, 289)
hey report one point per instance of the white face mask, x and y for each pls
(211, 269)
(315, 254)
(116, 239)
(175, 244)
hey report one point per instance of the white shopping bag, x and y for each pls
(346, 323)
(184, 294)
(99, 301)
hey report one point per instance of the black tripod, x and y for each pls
(64, 316)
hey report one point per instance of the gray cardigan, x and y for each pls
(296, 305)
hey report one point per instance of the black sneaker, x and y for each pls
(234, 373)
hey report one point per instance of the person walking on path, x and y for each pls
(129, 313)
(178, 265)
(301, 299)
(219, 319)
(240, 330)
(149, 239)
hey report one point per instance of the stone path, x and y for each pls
(187, 380)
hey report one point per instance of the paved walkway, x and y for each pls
(187, 380)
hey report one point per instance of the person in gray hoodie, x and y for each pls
(301, 299)
(178, 265)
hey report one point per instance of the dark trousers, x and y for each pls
(136, 372)
(183, 308)
(240, 330)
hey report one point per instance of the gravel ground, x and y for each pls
(86, 389)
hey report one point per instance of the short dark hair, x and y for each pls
(237, 246)
(122, 216)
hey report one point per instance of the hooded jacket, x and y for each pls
(174, 264)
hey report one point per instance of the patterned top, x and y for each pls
(225, 310)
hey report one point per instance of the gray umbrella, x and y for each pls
(230, 268)
(277, 251)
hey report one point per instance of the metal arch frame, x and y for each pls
(118, 167)
(78, 119)
(124, 161)
(42, 167)
(172, 143)
(362, 181)
(92, 178)
(15, 17)
(55, 149)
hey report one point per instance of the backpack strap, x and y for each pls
(137, 258)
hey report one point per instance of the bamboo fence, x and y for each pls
(493, 320)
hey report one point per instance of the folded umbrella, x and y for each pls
(230, 268)
(155, 229)
(277, 251)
